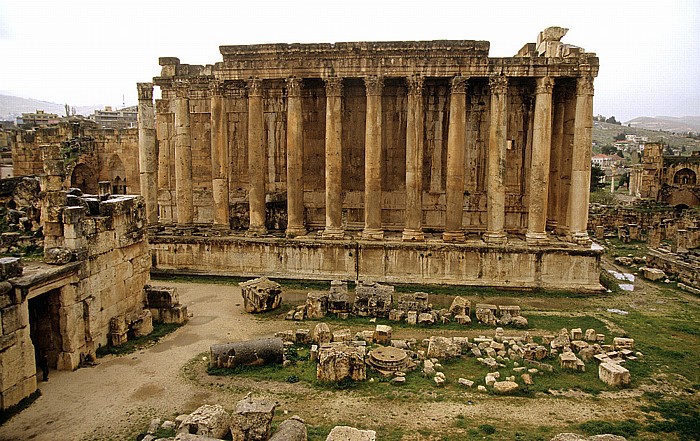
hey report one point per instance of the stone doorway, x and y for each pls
(44, 326)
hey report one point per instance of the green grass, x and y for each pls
(160, 330)
(554, 323)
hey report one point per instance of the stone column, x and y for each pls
(148, 159)
(373, 159)
(183, 159)
(334, 158)
(539, 167)
(565, 161)
(256, 159)
(495, 184)
(554, 198)
(581, 161)
(456, 150)
(219, 157)
(413, 229)
(295, 159)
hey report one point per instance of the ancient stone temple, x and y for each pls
(423, 161)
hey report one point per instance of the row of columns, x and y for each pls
(552, 121)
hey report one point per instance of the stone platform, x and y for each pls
(556, 265)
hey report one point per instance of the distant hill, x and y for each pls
(12, 106)
(604, 134)
(683, 124)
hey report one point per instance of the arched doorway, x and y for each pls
(685, 176)
(84, 178)
(117, 175)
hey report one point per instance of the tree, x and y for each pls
(597, 174)
(620, 136)
(624, 180)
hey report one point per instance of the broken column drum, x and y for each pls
(247, 353)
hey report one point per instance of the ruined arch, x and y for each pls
(117, 175)
(685, 176)
(683, 197)
(84, 178)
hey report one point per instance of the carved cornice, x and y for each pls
(374, 85)
(415, 85)
(544, 85)
(217, 88)
(294, 86)
(584, 86)
(498, 85)
(145, 91)
(459, 84)
(254, 87)
(334, 86)
(182, 90)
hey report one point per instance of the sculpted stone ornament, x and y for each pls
(498, 85)
(254, 86)
(145, 91)
(459, 84)
(584, 86)
(544, 85)
(552, 33)
(294, 86)
(334, 86)
(415, 84)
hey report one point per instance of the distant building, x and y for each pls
(116, 119)
(39, 118)
(606, 161)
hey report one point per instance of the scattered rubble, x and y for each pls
(261, 294)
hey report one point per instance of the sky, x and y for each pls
(94, 52)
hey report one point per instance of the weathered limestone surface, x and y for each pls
(613, 374)
(207, 420)
(252, 419)
(247, 353)
(338, 361)
(261, 294)
(345, 433)
(292, 429)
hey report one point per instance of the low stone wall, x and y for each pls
(686, 271)
(514, 266)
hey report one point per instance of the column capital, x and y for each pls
(145, 91)
(294, 86)
(584, 86)
(544, 85)
(374, 84)
(254, 87)
(459, 84)
(182, 90)
(217, 88)
(498, 85)
(334, 86)
(415, 85)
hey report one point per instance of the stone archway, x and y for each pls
(683, 197)
(685, 176)
(84, 178)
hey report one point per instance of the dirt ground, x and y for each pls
(119, 396)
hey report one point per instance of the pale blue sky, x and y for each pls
(91, 52)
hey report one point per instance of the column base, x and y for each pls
(495, 237)
(220, 230)
(256, 231)
(536, 238)
(184, 229)
(333, 233)
(552, 225)
(373, 234)
(412, 235)
(453, 236)
(293, 231)
(581, 238)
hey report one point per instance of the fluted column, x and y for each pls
(555, 167)
(219, 157)
(495, 184)
(539, 167)
(183, 159)
(256, 159)
(334, 158)
(581, 161)
(373, 159)
(413, 230)
(295, 160)
(566, 160)
(456, 150)
(148, 159)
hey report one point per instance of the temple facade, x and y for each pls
(379, 160)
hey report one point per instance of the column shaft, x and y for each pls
(373, 160)
(256, 159)
(565, 161)
(495, 184)
(413, 230)
(554, 198)
(148, 159)
(456, 150)
(219, 157)
(334, 158)
(539, 167)
(295, 159)
(581, 161)
(183, 159)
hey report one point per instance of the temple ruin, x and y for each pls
(412, 162)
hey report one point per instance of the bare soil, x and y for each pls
(117, 398)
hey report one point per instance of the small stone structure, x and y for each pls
(416, 301)
(261, 294)
(373, 299)
(164, 304)
(340, 361)
(247, 353)
(252, 419)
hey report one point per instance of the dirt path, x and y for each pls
(121, 394)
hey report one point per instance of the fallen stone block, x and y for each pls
(321, 334)
(247, 353)
(613, 374)
(292, 429)
(207, 420)
(252, 419)
(505, 387)
(346, 433)
(443, 347)
(261, 294)
(339, 361)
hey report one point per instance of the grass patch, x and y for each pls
(626, 428)
(556, 322)
(679, 417)
(6, 414)
(160, 330)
